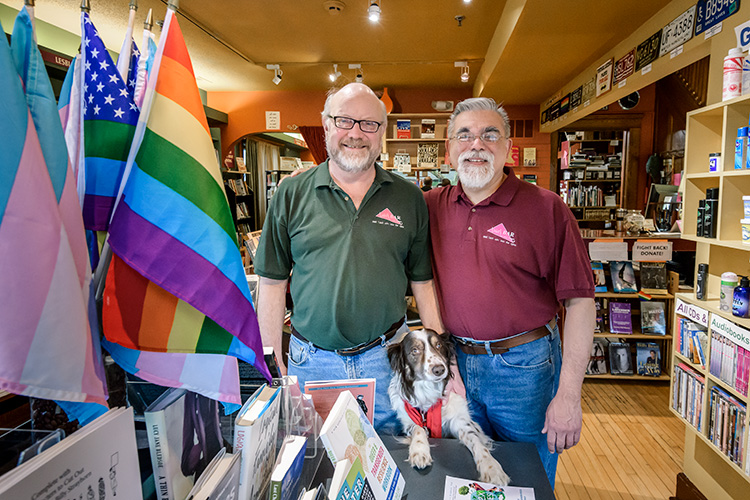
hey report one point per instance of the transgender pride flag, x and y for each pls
(177, 283)
(46, 346)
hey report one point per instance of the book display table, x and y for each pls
(451, 458)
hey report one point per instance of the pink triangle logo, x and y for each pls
(386, 214)
(501, 232)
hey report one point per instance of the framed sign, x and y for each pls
(604, 78)
(647, 51)
(575, 97)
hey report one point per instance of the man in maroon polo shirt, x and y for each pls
(507, 256)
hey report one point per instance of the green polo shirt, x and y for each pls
(351, 267)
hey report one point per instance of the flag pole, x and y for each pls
(30, 9)
(85, 6)
(123, 59)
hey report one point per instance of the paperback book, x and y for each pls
(220, 480)
(600, 281)
(653, 318)
(648, 359)
(428, 128)
(349, 482)
(255, 431)
(403, 129)
(597, 362)
(620, 360)
(347, 433)
(654, 277)
(466, 489)
(623, 277)
(620, 320)
(287, 471)
(324, 394)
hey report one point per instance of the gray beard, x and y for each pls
(353, 163)
(472, 176)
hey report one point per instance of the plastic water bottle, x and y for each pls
(732, 82)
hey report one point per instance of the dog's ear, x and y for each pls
(395, 351)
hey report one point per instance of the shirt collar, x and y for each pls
(323, 176)
(502, 195)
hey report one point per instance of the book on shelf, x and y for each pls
(654, 277)
(402, 162)
(427, 155)
(726, 424)
(623, 277)
(183, 436)
(403, 128)
(349, 481)
(255, 430)
(285, 478)
(692, 341)
(241, 167)
(315, 493)
(325, 393)
(687, 394)
(220, 480)
(620, 359)
(648, 359)
(602, 314)
(653, 317)
(428, 128)
(529, 157)
(600, 280)
(729, 362)
(347, 433)
(100, 457)
(468, 489)
(620, 318)
(597, 362)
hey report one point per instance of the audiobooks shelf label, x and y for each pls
(695, 313)
(727, 329)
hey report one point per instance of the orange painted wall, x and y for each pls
(539, 141)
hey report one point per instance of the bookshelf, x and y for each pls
(393, 145)
(591, 174)
(715, 468)
(241, 201)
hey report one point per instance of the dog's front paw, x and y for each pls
(490, 471)
(419, 452)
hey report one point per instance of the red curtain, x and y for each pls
(316, 142)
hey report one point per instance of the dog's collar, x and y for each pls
(431, 420)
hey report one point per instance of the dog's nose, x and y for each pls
(438, 370)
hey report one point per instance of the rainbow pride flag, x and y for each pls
(46, 346)
(172, 231)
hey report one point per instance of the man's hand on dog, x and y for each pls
(563, 422)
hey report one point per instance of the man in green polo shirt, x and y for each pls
(350, 236)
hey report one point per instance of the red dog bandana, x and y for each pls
(431, 421)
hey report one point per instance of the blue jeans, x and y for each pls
(509, 393)
(310, 363)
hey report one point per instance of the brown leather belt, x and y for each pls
(358, 349)
(502, 346)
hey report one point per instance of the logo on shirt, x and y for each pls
(388, 218)
(501, 234)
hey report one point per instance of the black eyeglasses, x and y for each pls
(346, 123)
(485, 137)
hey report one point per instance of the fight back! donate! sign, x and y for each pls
(652, 251)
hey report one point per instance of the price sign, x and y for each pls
(678, 31)
(647, 51)
(712, 12)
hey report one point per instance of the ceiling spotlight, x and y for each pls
(336, 73)
(277, 73)
(358, 67)
(464, 65)
(373, 11)
(467, 1)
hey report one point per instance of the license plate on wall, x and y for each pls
(712, 12)
(678, 31)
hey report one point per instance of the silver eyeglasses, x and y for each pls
(485, 137)
(346, 123)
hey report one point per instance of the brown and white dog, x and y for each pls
(421, 370)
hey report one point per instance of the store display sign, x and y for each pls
(565, 105)
(624, 66)
(575, 97)
(647, 51)
(678, 31)
(725, 328)
(608, 250)
(711, 12)
(589, 90)
(692, 312)
(604, 77)
(652, 251)
(743, 35)
(273, 120)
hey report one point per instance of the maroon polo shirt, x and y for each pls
(505, 265)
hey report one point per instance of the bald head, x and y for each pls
(336, 99)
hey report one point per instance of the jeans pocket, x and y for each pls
(536, 354)
(299, 351)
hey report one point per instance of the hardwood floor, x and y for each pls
(631, 445)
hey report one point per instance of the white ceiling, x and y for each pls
(523, 51)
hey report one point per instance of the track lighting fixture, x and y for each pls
(373, 11)
(358, 67)
(277, 73)
(336, 73)
(464, 65)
